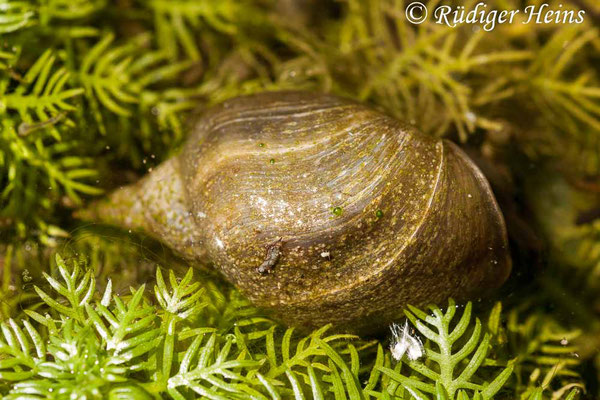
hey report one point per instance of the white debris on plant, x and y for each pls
(403, 342)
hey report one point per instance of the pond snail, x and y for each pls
(322, 210)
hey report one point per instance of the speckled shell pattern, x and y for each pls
(368, 214)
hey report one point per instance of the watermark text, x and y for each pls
(489, 19)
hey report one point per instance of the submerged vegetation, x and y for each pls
(190, 339)
(94, 93)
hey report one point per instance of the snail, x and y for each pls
(322, 210)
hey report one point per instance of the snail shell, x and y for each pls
(323, 210)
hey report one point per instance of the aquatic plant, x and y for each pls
(82, 342)
(94, 93)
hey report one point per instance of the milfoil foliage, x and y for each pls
(451, 367)
(95, 93)
(177, 341)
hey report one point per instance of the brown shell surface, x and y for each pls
(368, 213)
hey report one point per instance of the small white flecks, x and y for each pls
(405, 343)
(219, 243)
(262, 203)
(564, 342)
(200, 214)
(469, 195)
(284, 207)
(325, 254)
(470, 116)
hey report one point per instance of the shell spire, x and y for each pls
(156, 204)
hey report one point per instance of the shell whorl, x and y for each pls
(414, 222)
